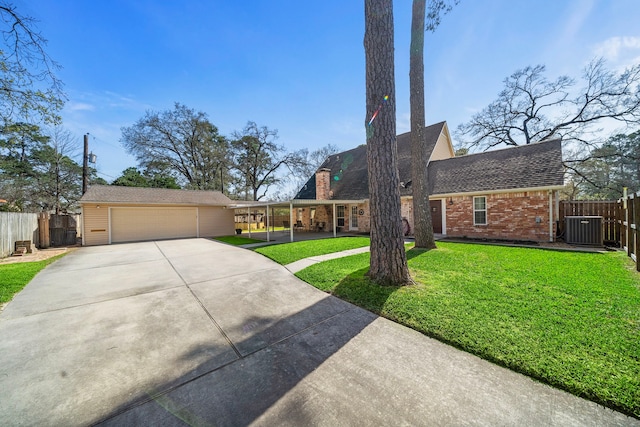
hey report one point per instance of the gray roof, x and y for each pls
(349, 176)
(536, 165)
(527, 166)
(153, 196)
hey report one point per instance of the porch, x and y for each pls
(304, 219)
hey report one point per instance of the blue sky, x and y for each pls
(298, 66)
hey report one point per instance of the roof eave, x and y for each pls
(110, 202)
(499, 191)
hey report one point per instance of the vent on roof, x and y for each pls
(583, 230)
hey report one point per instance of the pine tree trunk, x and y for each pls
(422, 224)
(388, 258)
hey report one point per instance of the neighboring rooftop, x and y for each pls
(118, 194)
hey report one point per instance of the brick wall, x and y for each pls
(509, 216)
(323, 184)
(406, 210)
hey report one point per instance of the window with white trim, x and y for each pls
(340, 215)
(480, 210)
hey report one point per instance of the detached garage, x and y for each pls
(113, 214)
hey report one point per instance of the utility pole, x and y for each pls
(85, 164)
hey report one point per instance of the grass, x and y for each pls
(236, 240)
(16, 276)
(287, 253)
(569, 319)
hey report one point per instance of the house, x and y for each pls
(510, 193)
(114, 214)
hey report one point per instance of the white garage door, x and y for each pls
(135, 224)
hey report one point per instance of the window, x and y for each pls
(340, 215)
(480, 210)
(354, 217)
(312, 215)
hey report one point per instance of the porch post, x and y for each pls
(334, 219)
(291, 220)
(267, 224)
(249, 221)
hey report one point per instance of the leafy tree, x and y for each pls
(181, 143)
(37, 171)
(58, 176)
(163, 181)
(462, 151)
(258, 158)
(131, 177)
(29, 87)
(94, 179)
(533, 108)
(609, 168)
(18, 144)
(423, 226)
(388, 265)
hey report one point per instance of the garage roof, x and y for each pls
(153, 196)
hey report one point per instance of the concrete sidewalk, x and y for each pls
(296, 266)
(195, 332)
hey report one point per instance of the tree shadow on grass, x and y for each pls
(358, 289)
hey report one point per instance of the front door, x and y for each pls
(353, 218)
(436, 215)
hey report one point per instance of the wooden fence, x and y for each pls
(629, 219)
(621, 221)
(43, 230)
(16, 226)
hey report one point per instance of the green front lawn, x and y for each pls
(14, 277)
(569, 319)
(287, 253)
(237, 240)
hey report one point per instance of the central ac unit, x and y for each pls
(583, 230)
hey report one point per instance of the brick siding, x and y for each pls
(323, 184)
(509, 216)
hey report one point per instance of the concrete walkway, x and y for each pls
(294, 267)
(195, 332)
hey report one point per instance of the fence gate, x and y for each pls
(62, 230)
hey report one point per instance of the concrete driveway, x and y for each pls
(195, 332)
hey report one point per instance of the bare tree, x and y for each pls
(59, 178)
(258, 158)
(388, 265)
(29, 87)
(180, 142)
(532, 108)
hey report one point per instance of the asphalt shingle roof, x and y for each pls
(527, 166)
(138, 195)
(530, 166)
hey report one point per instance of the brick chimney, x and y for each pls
(323, 184)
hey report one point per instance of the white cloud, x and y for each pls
(79, 106)
(615, 47)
